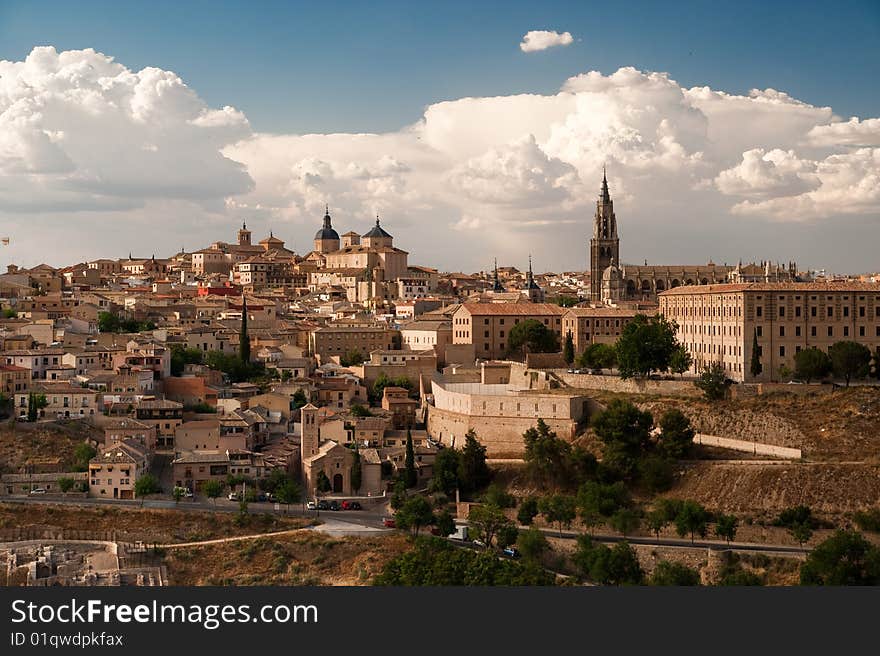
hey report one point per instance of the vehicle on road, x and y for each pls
(311, 505)
(351, 505)
(233, 496)
(183, 491)
(334, 505)
(388, 522)
(38, 490)
(323, 505)
(571, 371)
(480, 543)
(511, 552)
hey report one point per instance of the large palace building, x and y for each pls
(612, 282)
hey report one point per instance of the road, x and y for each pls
(371, 519)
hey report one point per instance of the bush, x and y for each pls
(668, 573)
(868, 520)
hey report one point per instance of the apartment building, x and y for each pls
(595, 325)
(487, 325)
(718, 323)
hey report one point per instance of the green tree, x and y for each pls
(145, 485)
(473, 472)
(646, 344)
(299, 400)
(598, 356)
(545, 454)
(725, 527)
(713, 381)
(213, 488)
(352, 358)
(532, 545)
(810, 363)
(676, 434)
(846, 558)
(625, 521)
(755, 363)
(597, 502)
(681, 360)
(799, 521)
(507, 536)
(65, 483)
(32, 408)
(357, 410)
(498, 496)
(656, 521)
(182, 356)
(445, 524)
(568, 348)
(412, 476)
(625, 431)
(436, 562)
(356, 473)
(692, 519)
(446, 466)
(655, 473)
(531, 336)
(398, 497)
(415, 513)
(487, 520)
(668, 573)
(9, 313)
(322, 483)
(288, 492)
(618, 565)
(81, 456)
(849, 360)
(559, 509)
(244, 340)
(527, 511)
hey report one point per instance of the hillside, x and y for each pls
(21, 442)
(301, 558)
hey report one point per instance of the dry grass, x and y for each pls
(302, 558)
(19, 443)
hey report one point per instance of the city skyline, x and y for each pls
(140, 140)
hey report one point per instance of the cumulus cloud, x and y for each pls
(536, 40)
(81, 133)
(851, 133)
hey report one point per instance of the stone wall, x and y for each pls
(502, 436)
(745, 446)
(612, 383)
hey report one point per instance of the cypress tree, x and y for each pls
(755, 367)
(356, 470)
(244, 340)
(411, 475)
(568, 349)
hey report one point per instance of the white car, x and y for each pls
(38, 490)
(311, 505)
(233, 496)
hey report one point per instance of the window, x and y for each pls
(760, 331)
(846, 310)
(797, 311)
(813, 311)
(846, 331)
(759, 311)
(830, 311)
(782, 331)
(781, 311)
(797, 331)
(831, 331)
(781, 351)
(812, 331)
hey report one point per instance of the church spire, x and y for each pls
(605, 196)
(496, 287)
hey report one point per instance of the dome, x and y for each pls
(377, 231)
(327, 232)
(612, 273)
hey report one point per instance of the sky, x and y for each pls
(474, 130)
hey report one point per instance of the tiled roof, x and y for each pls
(510, 309)
(831, 286)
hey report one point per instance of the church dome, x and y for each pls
(377, 231)
(327, 232)
(612, 273)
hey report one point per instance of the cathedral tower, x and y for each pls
(604, 245)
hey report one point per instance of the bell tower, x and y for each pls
(244, 235)
(604, 245)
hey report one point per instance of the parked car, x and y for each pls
(351, 505)
(334, 505)
(511, 552)
(38, 490)
(596, 372)
(233, 496)
(311, 505)
(184, 492)
(262, 497)
(571, 371)
(480, 543)
(323, 505)
(388, 522)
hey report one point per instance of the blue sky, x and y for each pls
(349, 66)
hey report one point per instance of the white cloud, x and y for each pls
(81, 133)
(760, 174)
(536, 40)
(851, 133)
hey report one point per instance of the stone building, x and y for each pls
(487, 325)
(719, 323)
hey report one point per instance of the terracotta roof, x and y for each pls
(519, 309)
(601, 312)
(831, 286)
